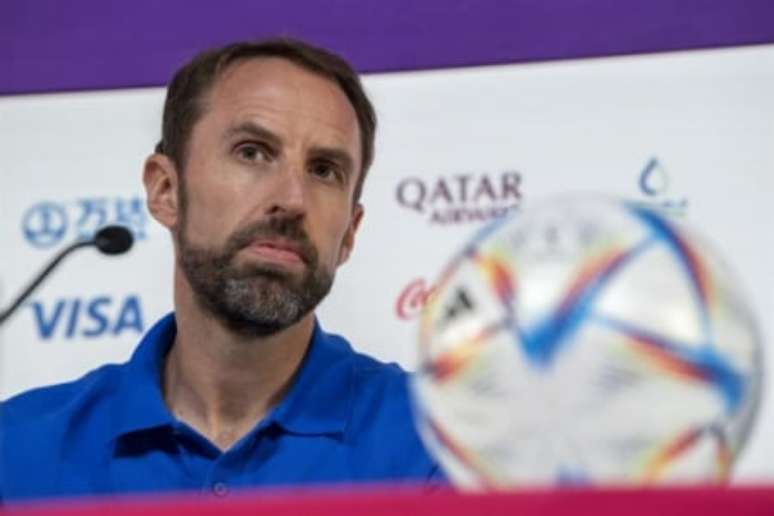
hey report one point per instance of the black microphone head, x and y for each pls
(113, 240)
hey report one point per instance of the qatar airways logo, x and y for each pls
(461, 198)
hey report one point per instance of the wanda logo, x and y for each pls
(413, 298)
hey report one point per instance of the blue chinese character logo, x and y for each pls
(94, 215)
(44, 224)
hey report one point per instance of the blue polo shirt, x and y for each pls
(346, 418)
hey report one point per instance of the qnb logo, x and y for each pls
(461, 198)
(48, 223)
(413, 299)
(654, 185)
(71, 318)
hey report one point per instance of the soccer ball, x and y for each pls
(586, 341)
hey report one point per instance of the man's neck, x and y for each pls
(223, 384)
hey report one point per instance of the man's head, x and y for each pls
(188, 89)
(264, 151)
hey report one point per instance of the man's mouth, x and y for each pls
(277, 250)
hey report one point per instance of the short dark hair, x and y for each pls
(183, 106)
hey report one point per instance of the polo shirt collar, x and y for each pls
(318, 402)
(320, 399)
(140, 402)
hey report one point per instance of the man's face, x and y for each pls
(266, 195)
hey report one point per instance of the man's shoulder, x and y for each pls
(367, 369)
(380, 390)
(50, 401)
(41, 426)
(95, 395)
(382, 418)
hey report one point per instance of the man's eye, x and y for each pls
(327, 171)
(253, 152)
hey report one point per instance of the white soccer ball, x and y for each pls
(586, 341)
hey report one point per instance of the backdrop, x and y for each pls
(688, 131)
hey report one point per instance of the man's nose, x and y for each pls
(289, 193)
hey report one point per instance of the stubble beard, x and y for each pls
(253, 299)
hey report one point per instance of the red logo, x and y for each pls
(413, 298)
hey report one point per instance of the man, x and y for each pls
(258, 175)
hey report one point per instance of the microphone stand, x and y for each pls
(32, 286)
(109, 240)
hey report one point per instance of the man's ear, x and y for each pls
(349, 237)
(160, 177)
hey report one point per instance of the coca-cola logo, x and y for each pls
(413, 298)
(461, 198)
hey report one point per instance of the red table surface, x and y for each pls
(747, 501)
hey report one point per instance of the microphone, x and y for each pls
(111, 240)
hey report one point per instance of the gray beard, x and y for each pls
(254, 300)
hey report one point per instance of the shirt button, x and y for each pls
(220, 489)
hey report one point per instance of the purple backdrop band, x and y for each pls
(59, 45)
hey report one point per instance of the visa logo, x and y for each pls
(88, 318)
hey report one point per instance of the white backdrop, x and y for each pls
(692, 130)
